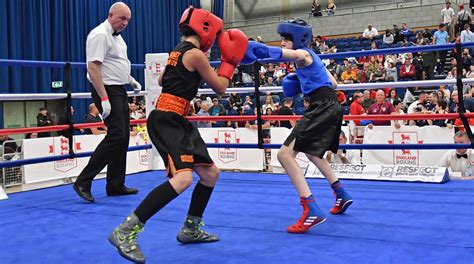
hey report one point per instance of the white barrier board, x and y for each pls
(406, 135)
(47, 147)
(234, 158)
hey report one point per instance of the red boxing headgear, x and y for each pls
(204, 23)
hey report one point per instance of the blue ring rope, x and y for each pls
(58, 64)
(15, 163)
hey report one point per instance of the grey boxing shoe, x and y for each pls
(191, 232)
(124, 239)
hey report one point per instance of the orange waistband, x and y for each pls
(172, 103)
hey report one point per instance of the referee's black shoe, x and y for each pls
(122, 191)
(83, 193)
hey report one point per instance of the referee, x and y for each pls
(108, 69)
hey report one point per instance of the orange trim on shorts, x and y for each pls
(172, 103)
(187, 158)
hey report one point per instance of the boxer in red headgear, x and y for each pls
(177, 140)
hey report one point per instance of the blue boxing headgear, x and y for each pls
(299, 32)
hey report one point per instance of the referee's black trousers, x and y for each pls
(112, 151)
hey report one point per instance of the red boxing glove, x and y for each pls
(233, 44)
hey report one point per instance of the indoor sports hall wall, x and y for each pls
(385, 17)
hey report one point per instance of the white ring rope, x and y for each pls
(344, 87)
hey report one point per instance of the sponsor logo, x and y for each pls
(60, 146)
(386, 172)
(405, 156)
(227, 155)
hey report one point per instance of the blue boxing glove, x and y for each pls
(291, 85)
(257, 50)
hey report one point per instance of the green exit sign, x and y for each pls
(57, 84)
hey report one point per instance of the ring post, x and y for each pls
(459, 86)
(256, 74)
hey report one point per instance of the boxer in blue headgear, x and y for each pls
(297, 31)
(319, 128)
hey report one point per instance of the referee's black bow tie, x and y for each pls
(115, 33)
(461, 156)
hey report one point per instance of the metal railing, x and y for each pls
(11, 176)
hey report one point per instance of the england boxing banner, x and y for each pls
(406, 135)
(384, 172)
(234, 158)
(137, 161)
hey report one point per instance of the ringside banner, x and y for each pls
(384, 172)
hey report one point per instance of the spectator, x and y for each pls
(441, 37)
(420, 109)
(316, 8)
(468, 36)
(331, 9)
(441, 107)
(430, 103)
(421, 100)
(44, 119)
(351, 156)
(235, 101)
(398, 111)
(348, 76)
(370, 33)
(459, 160)
(447, 17)
(466, 60)
(286, 110)
(393, 96)
(427, 34)
(388, 37)
(463, 19)
(333, 67)
(248, 103)
(379, 74)
(417, 62)
(341, 97)
(204, 112)
(364, 73)
(94, 117)
(216, 109)
(380, 107)
(31, 135)
(12, 145)
(398, 37)
(392, 73)
(368, 101)
(135, 112)
(356, 107)
(260, 39)
(268, 104)
(407, 71)
(405, 31)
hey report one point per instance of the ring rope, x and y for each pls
(15, 163)
(13, 131)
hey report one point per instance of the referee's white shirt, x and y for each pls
(111, 51)
(455, 164)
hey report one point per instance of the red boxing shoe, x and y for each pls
(307, 220)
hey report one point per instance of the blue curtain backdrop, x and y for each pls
(56, 30)
(218, 9)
